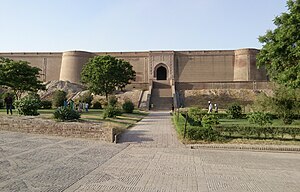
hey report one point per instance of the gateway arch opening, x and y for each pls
(161, 73)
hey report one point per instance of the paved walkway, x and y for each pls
(155, 130)
(150, 162)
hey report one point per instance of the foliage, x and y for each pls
(195, 115)
(102, 74)
(234, 111)
(281, 50)
(111, 112)
(66, 113)
(195, 132)
(259, 118)
(97, 105)
(210, 120)
(128, 106)
(1, 104)
(286, 103)
(202, 133)
(28, 105)
(263, 103)
(112, 101)
(45, 104)
(19, 76)
(87, 97)
(59, 97)
(246, 131)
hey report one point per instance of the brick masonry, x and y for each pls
(36, 125)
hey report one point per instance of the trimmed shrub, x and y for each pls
(45, 104)
(97, 105)
(59, 97)
(246, 131)
(28, 105)
(234, 111)
(111, 112)
(259, 118)
(112, 101)
(210, 120)
(202, 133)
(128, 106)
(66, 113)
(195, 115)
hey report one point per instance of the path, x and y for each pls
(155, 130)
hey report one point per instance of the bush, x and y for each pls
(45, 104)
(210, 120)
(246, 131)
(28, 105)
(59, 97)
(128, 106)
(202, 133)
(111, 112)
(97, 105)
(66, 113)
(259, 118)
(112, 101)
(86, 98)
(1, 103)
(234, 111)
(195, 115)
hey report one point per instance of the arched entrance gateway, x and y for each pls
(161, 73)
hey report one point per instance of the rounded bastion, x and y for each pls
(72, 64)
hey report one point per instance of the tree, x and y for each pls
(19, 76)
(280, 53)
(103, 74)
(59, 97)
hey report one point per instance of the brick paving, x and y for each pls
(148, 158)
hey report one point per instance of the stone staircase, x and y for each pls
(161, 96)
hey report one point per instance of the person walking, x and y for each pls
(86, 106)
(8, 101)
(216, 108)
(210, 107)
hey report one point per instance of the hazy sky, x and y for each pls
(134, 25)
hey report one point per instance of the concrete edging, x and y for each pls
(278, 148)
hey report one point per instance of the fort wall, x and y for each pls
(49, 63)
(189, 69)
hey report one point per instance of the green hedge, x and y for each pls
(248, 131)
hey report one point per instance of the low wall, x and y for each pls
(37, 125)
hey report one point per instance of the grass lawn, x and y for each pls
(96, 115)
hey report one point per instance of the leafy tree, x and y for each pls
(286, 103)
(103, 74)
(281, 47)
(19, 76)
(59, 97)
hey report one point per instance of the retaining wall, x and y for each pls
(37, 125)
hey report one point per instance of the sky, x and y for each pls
(134, 25)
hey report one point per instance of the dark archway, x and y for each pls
(161, 73)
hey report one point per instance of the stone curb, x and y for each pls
(278, 148)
